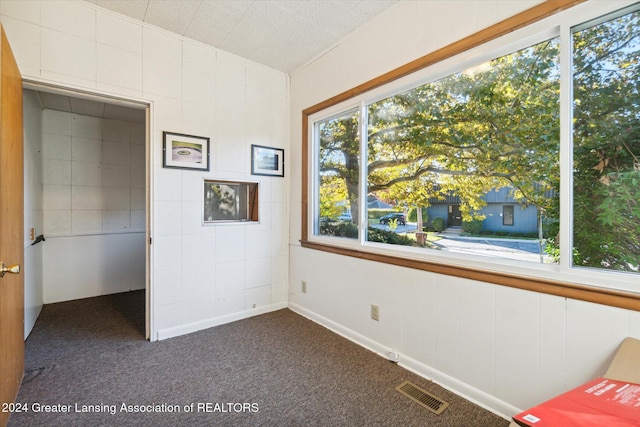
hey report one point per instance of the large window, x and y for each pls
(485, 136)
(542, 123)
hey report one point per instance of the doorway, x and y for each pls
(455, 217)
(86, 198)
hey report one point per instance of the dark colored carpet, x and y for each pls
(277, 369)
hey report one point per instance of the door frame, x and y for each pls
(147, 105)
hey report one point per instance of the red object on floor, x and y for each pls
(602, 402)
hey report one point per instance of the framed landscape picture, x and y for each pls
(185, 151)
(267, 161)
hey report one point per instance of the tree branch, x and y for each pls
(381, 164)
(417, 174)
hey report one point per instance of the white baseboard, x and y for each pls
(462, 389)
(163, 334)
(357, 338)
(472, 394)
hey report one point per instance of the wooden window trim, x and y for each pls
(610, 297)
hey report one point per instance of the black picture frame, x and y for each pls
(182, 151)
(268, 161)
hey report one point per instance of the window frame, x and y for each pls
(328, 114)
(512, 215)
(552, 16)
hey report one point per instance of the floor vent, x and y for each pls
(424, 398)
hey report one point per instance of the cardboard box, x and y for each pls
(612, 400)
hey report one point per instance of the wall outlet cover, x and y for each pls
(375, 312)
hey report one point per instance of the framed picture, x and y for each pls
(229, 201)
(185, 151)
(267, 161)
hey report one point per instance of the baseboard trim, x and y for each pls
(163, 334)
(462, 389)
(472, 394)
(357, 338)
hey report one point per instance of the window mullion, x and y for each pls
(362, 200)
(314, 184)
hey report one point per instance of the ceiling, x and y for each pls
(282, 34)
(90, 107)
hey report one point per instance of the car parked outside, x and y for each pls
(345, 217)
(398, 216)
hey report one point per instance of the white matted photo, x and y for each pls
(185, 151)
(267, 161)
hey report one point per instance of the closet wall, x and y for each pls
(93, 190)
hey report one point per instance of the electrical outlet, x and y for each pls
(304, 286)
(375, 312)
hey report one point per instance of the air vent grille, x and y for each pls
(424, 398)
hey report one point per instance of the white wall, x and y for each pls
(504, 348)
(33, 218)
(93, 175)
(200, 275)
(86, 266)
(93, 190)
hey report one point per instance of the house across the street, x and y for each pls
(503, 212)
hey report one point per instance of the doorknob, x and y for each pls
(14, 269)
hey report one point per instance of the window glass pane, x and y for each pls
(447, 156)
(606, 144)
(338, 145)
(507, 215)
